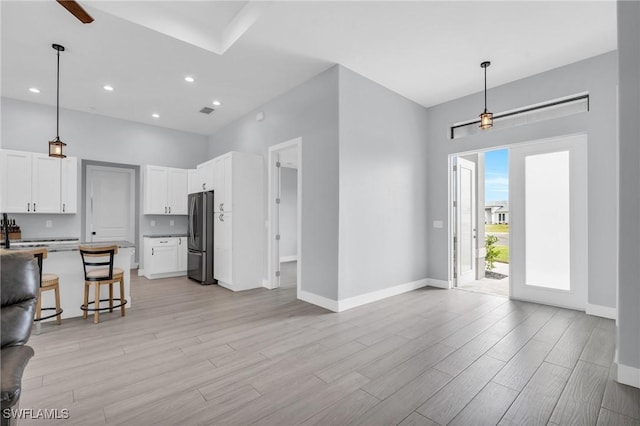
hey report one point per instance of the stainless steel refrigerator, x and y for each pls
(200, 238)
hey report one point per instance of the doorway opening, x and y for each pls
(536, 235)
(284, 199)
(480, 193)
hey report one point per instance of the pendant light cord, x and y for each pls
(485, 89)
(58, 100)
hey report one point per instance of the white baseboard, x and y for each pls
(602, 311)
(629, 375)
(432, 282)
(374, 296)
(266, 284)
(293, 258)
(141, 272)
(321, 301)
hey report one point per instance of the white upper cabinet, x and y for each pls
(69, 185)
(16, 181)
(165, 190)
(193, 183)
(33, 183)
(223, 183)
(206, 176)
(177, 191)
(45, 184)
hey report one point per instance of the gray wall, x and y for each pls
(598, 76)
(309, 111)
(629, 134)
(383, 187)
(28, 126)
(288, 212)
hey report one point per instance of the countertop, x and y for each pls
(51, 239)
(70, 246)
(165, 236)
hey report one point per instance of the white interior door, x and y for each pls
(548, 220)
(110, 204)
(465, 235)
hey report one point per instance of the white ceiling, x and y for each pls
(245, 53)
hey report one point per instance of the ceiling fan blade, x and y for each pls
(76, 10)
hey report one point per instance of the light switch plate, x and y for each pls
(153, 223)
(172, 223)
(49, 224)
(437, 224)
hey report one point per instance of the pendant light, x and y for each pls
(56, 146)
(486, 118)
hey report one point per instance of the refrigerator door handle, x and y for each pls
(190, 220)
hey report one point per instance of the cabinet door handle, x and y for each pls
(169, 209)
(152, 251)
(204, 186)
(63, 207)
(165, 209)
(180, 241)
(28, 207)
(34, 207)
(164, 242)
(221, 218)
(221, 207)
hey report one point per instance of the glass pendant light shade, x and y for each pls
(486, 120)
(56, 147)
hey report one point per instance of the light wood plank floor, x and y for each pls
(190, 354)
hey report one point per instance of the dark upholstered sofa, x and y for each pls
(19, 276)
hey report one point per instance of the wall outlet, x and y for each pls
(172, 222)
(437, 224)
(153, 223)
(49, 224)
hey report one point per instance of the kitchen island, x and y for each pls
(64, 260)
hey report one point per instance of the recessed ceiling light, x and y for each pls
(34, 90)
(217, 103)
(189, 79)
(108, 88)
(155, 115)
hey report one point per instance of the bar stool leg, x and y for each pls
(96, 313)
(110, 297)
(39, 304)
(38, 311)
(122, 296)
(86, 300)
(59, 316)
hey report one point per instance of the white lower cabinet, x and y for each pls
(223, 248)
(165, 257)
(182, 253)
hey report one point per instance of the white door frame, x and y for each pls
(89, 201)
(450, 211)
(273, 261)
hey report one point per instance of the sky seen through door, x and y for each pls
(496, 182)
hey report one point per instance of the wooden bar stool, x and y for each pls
(98, 271)
(48, 282)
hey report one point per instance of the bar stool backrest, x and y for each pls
(103, 257)
(39, 254)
